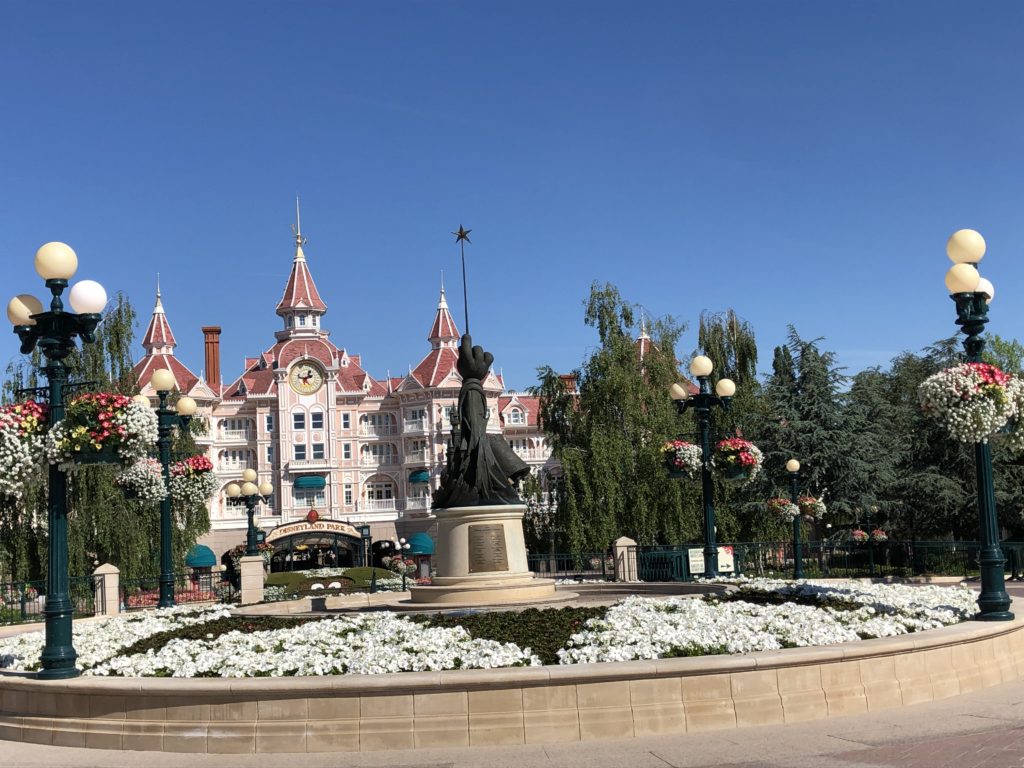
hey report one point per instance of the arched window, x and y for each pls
(515, 416)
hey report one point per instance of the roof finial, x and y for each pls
(442, 279)
(158, 285)
(297, 229)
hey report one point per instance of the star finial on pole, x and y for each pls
(462, 237)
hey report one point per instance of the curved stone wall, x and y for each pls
(510, 706)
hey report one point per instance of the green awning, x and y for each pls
(421, 544)
(309, 482)
(200, 557)
(419, 476)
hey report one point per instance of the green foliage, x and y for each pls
(608, 435)
(361, 576)
(543, 631)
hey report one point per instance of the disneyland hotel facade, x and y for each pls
(330, 437)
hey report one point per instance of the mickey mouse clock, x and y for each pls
(306, 378)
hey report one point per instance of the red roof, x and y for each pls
(184, 379)
(436, 366)
(529, 403)
(158, 334)
(300, 291)
(443, 329)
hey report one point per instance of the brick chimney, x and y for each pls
(211, 338)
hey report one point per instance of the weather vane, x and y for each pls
(462, 237)
(297, 226)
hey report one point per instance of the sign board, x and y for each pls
(320, 526)
(725, 560)
(487, 548)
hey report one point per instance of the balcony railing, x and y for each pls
(377, 430)
(376, 461)
(236, 435)
(415, 425)
(377, 505)
(226, 467)
(302, 465)
(417, 457)
(417, 502)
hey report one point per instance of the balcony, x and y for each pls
(235, 436)
(232, 467)
(377, 505)
(377, 461)
(414, 503)
(383, 430)
(307, 465)
(416, 457)
(414, 426)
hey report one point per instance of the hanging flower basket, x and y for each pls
(682, 459)
(22, 435)
(859, 536)
(102, 428)
(812, 507)
(878, 536)
(192, 481)
(972, 400)
(738, 459)
(783, 508)
(143, 480)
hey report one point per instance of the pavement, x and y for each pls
(984, 729)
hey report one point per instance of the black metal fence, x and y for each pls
(22, 602)
(197, 587)
(589, 566)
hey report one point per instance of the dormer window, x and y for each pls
(302, 320)
(515, 416)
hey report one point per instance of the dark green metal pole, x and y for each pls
(703, 409)
(994, 602)
(166, 418)
(58, 655)
(798, 563)
(250, 534)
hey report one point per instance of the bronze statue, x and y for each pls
(481, 469)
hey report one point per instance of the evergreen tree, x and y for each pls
(608, 435)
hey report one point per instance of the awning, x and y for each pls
(421, 544)
(419, 476)
(200, 557)
(309, 482)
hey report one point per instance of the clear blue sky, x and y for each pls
(801, 162)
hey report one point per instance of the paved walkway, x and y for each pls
(978, 730)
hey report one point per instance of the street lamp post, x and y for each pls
(702, 404)
(401, 545)
(793, 468)
(167, 419)
(249, 494)
(54, 332)
(972, 294)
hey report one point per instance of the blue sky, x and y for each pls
(801, 162)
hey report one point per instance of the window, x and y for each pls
(346, 450)
(346, 421)
(300, 451)
(378, 454)
(348, 494)
(302, 320)
(298, 421)
(318, 450)
(316, 420)
(270, 455)
(310, 498)
(379, 491)
(270, 422)
(515, 416)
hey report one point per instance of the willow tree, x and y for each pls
(103, 525)
(606, 423)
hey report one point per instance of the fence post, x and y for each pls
(625, 566)
(251, 567)
(107, 590)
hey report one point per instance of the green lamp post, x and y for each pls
(167, 419)
(972, 294)
(249, 494)
(793, 468)
(54, 332)
(702, 404)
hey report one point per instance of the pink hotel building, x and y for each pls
(309, 419)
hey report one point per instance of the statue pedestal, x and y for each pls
(481, 559)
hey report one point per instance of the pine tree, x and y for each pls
(608, 435)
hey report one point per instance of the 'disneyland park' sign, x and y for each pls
(318, 526)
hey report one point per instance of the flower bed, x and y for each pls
(764, 614)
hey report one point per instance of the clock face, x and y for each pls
(306, 378)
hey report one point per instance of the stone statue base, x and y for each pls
(481, 559)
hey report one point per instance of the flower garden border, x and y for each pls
(510, 706)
